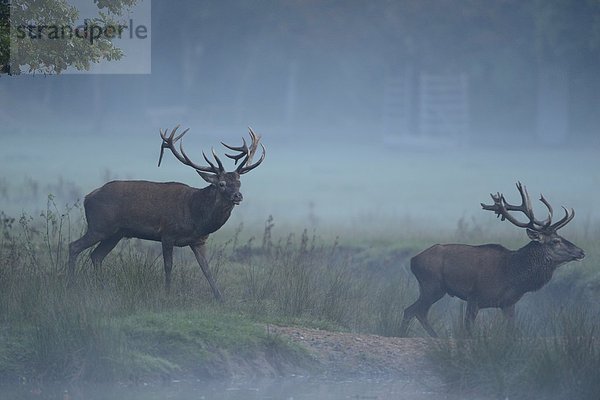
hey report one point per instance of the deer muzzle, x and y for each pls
(237, 198)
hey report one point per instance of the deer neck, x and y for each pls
(210, 210)
(531, 267)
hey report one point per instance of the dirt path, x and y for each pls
(350, 355)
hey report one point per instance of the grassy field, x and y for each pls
(119, 324)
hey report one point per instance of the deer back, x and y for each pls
(463, 270)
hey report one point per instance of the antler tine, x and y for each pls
(243, 149)
(565, 220)
(501, 208)
(169, 143)
(170, 137)
(244, 167)
(546, 223)
(221, 169)
(527, 208)
(253, 135)
(496, 207)
(173, 132)
(243, 170)
(162, 147)
(253, 146)
(180, 136)
(197, 167)
(214, 168)
(246, 153)
(208, 161)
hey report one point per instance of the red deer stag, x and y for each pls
(491, 276)
(171, 213)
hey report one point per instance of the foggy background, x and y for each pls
(374, 113)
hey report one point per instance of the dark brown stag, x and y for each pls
(171, 213)
(491, 275)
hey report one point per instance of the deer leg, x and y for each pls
(199, 252)
(409, 313)
(76, 247)
(167, 251)
(102, 250)
(420, 309)
(422, 317)
(472, 311)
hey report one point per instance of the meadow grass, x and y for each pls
(118, 323)
(504, 361)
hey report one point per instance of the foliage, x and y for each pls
(115, 7)
(4, 36)
(54, 56)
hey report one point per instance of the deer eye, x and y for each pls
(222, 184)
(556, 241)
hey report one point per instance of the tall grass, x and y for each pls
(296, 278)
(303, 278)
(51, 331)
(78, 332)
(501, 360)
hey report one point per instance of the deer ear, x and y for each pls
(533, 235)
(210, 178)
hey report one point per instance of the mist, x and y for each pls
(367, 109)
(381, 119)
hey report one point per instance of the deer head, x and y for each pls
(556, 248)
(227, 183)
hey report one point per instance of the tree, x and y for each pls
(44, 36)
(4, 36)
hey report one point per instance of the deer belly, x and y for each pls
(140, 234)
(186, 241)
(457, 286)
(499, 298)
(180, 241)
(460, 295)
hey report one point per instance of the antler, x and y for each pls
(501, 207)
(565, 220)
(247, 152)
(169, 143)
